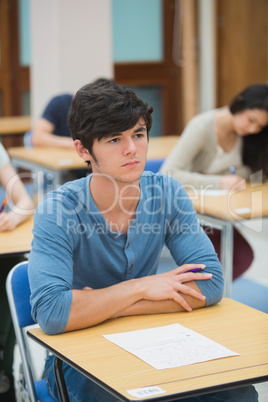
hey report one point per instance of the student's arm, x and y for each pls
(194, 141)
(191, 143)
(152, 294)
(42, 135)
(22, 206)
(166, 306)
(57, 307)
(188, 244)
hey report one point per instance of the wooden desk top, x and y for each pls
(52, 158)
(15, 125)
(18, 240)
(160, 147)
(245, 204)
(64, 158)
(231, 324)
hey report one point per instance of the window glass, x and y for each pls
(137, 30)
(152, 95)
(24, 32)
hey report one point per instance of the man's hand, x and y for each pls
(170, 285)
(148, 295)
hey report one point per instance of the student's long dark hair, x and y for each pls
(255, 146)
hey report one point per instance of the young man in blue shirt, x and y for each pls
(98, 240)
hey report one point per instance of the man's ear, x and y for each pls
(82, 151)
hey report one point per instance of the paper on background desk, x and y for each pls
(169, 346)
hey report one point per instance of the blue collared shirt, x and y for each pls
(73, 245)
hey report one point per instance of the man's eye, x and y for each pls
(139, 135)
(113, 141)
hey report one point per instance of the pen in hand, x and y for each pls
(4, 204)
(232, 170)
(195, 270)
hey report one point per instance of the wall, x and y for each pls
(206, 73)
(71, 45)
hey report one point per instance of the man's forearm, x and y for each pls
(172, 291)
(162, 306)
(90, 307)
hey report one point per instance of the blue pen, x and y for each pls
(195, 270)
(232, 170)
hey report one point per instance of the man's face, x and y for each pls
(122, 156)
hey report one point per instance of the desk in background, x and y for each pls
(17, 241)
(14, 125)
(222, 211)
(160, 147)
(231, 324)
(45, 160)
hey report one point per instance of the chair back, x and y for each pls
(18, 294)
(154, 165)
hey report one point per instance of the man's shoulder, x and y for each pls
(72, 192)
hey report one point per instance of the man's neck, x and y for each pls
(111, 196)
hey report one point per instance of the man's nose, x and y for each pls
(252, 129)
(130, 146)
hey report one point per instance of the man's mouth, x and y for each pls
(131, 163)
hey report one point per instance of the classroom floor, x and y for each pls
(257, 234)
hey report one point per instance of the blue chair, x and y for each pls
(154, 165)
(18, 294)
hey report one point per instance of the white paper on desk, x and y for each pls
(169, 346)
(212, 193)
(242, 211)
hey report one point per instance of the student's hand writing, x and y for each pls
(170, 284)
(8, 221)
(232, 182)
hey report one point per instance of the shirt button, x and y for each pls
(131, 266)
(127, 245)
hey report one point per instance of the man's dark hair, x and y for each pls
(102, 108)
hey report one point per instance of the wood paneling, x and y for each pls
(242, 46)
(189, 61)
(14, 78)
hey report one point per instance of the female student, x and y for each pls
(15, 206)
(220, 149)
